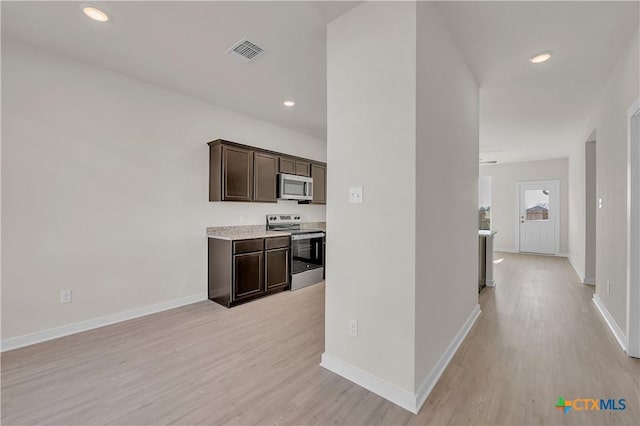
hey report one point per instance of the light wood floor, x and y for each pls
(538, 337)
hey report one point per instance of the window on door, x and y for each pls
(536, 203)
(538, 219)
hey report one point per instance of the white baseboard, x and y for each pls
(430, 381)
(613, 326)
(78, 327)
(506, 250)
(512, 250)
(579, 271)
(398, 396)
(407, 400)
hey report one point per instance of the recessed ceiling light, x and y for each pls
(289, 104)
(95, 14)
(540, 57)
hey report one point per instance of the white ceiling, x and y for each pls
(180, 46)
(527, 112)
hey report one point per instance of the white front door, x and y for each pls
(538, 217)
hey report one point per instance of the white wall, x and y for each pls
(591, 212)
(446, 192)
(105, 189)
(577, 201)
(610, 123)
(404, 263)
(371, 54)
(504, 216)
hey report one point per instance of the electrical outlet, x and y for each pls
(65, 296)
(355, 195)
(353, 328)
(608, 287)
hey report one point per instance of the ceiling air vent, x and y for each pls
(246, 50)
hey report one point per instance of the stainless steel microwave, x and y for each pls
(292, 187)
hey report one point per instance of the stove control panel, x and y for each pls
(283, 218)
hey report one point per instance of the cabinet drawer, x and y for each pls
(248, 246)
(276, 242)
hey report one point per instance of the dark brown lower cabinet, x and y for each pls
(244, 270)
(248, 275)
(277, 268)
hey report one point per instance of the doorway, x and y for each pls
(538, 217)
(484, 203)
(633, 224)
(591, 211)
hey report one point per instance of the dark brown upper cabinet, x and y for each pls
(319, 175)
(244, 173)
(303, 168)
(237, 173)
(265, 175)
(230, 173)
(295, 166)
(287, 165)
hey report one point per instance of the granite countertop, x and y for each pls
(248, 232)
(314, 225)
(243, 232)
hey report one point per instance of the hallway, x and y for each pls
(539, 337)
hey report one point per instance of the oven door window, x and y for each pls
(306, 254)
(294, 187)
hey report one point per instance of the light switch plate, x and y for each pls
(353, 328)
(65, 296)
(355, 195)
(600, 203)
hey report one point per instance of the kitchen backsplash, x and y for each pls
(240, 214)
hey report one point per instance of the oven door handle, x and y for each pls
(307, 236)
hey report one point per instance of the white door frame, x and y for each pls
(633, 240)
(555, 200)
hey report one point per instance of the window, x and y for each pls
(484, 203)
(536, 204)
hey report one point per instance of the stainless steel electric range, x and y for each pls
(307, 254)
